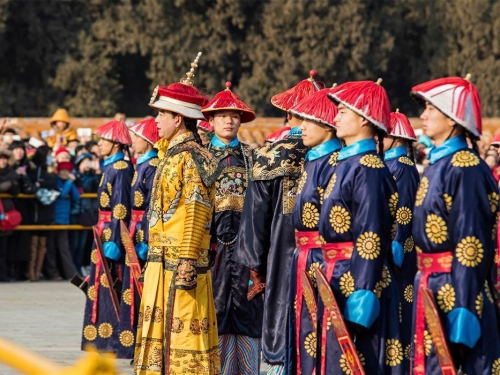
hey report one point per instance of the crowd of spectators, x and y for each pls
(54, 167)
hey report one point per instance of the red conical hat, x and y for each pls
(147, 130)
(368, 99)
(205, 125)
(182, 98)
(114, 131)
(227, 100)
(401, 127)
(456, 97)
(279, 134)
(289, 98)
(496, 140)
(318, 108)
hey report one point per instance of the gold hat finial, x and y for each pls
(468, 76)
(189, 80)
(379, 81)
(397, 110)
(334, 85)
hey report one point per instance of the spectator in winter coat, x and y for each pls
(59, 239)
(8, 184)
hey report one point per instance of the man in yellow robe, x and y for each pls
(177, 328)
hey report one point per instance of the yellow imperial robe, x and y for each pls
(177, 328)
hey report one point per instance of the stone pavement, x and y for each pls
(46, 317)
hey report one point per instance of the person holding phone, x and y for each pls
(61, 131)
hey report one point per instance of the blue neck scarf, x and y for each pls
(216, 142)
(295, 133)
(359, 147)
(446, 148)
(118, 156)
(395, 153)
(323, 149)
(148, 155)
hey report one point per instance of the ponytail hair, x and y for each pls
(411, 154)
(380, 135)
(191, 126)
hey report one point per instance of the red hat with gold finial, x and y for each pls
(455, 97)
(182, 98)
(401, 127)
(318, 108)
(114, 131)
(205, 125)
(289, 98)
(366, 98)
(147, 130)
(227, 100)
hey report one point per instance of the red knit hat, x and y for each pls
(147, 130)
(227, 100)
(65, 165)
(496, 140)
(318, 108)
(279, 134)
(401, 127)
(114, 131)
(205, 125)
(368, 99)
(456, 97)
(61, 150)
(182, 98)
(289, 98)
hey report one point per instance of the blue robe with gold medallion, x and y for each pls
(454, 231)
(100, 323)
(355, 224)
(404, 259)
(319, 166)
(130, 302)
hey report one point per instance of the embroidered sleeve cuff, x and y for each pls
(463, 327)
(142, 250)
(397, 253)
(362, 307)
(111, 250)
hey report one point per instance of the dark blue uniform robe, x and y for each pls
(266, 239)
(455, 211)
(114, 198)
(404, 260)
(235, 314)
(142, 185)
(359, 206)
(319, 166)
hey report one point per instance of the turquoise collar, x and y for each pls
(448, 147)
(395, 153)
(359, 147)
(148, 155)
(216, 142)
(118, 156)
(323, 149)
(295, 133)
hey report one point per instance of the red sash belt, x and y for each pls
(136, 218)
(332, 252)
(305, 242)
(104, 217)
(427, 264)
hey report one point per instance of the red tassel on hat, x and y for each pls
(289, 98)
(368, 99)
(114, 131)
(451, 96)
(147, 130)
(318, 108)
(401, 126)
(205, 125)
(279, 134)
(227, 100)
